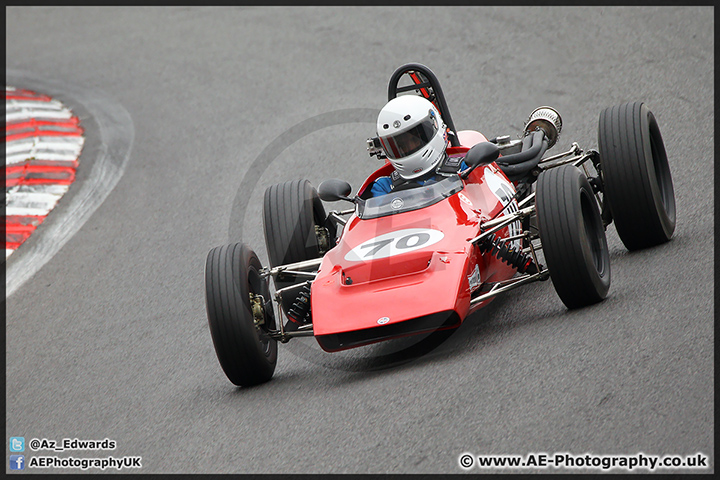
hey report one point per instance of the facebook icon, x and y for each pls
(17, 462)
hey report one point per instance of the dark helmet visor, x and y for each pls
(410, 141)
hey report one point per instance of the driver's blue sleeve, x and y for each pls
(381, 186)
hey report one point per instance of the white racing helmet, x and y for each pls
(412, 135)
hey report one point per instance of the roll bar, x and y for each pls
(424, 81)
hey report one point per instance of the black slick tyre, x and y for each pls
(291, 211)
(232, 279)
(636, 175)
(573, 237)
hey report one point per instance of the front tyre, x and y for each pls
(293, 214)
(636, 175)
(234, 288)
(573, 237)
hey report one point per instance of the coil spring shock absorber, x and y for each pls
(499, 249)
(300, 311)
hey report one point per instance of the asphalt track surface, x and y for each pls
(109, 339)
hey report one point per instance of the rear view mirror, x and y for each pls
(333, 189)
(481, 154)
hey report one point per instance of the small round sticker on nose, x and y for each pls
(383, 320)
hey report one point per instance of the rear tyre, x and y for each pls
(636, 175)
(291, 211)
(246, 353)
(573, 237)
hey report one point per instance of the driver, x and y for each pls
(414, 138)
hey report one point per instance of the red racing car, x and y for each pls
(423, 257)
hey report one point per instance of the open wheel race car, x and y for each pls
(424, 257)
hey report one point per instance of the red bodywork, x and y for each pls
(410, 292)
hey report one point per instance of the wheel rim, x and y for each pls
(255, 286)
(593, 227)
(662, 171)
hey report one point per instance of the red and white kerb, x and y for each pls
(43, 141)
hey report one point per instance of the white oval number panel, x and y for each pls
(394, 243)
